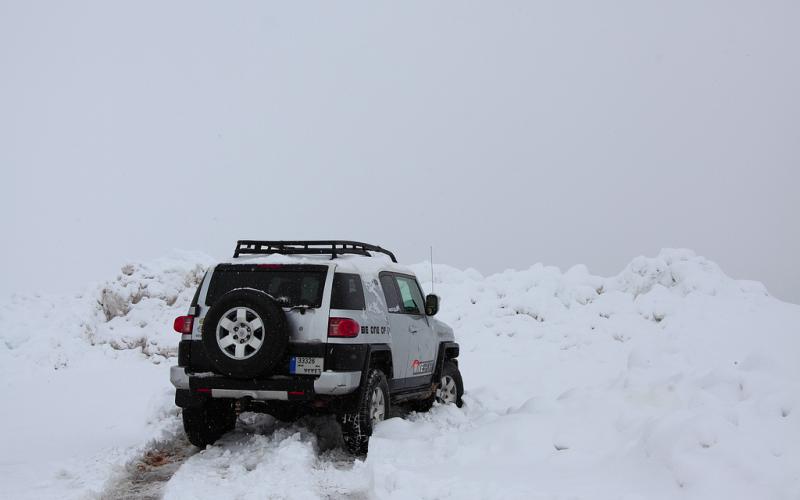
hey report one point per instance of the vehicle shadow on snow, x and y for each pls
(326, 429)
(328, 444)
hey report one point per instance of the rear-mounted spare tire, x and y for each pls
(245, 334)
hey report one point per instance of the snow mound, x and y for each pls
(668, 380)
(84, 392)
(681, 271)
(144, 298)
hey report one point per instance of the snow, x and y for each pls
(346, 263)
(669, 380)
(85, 377)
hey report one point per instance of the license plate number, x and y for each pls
(301, 365)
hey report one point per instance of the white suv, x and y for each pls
(294, 327)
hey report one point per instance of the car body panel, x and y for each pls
(414, 340)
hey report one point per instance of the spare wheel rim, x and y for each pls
(240, 333)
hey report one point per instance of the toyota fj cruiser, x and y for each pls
(296, 327)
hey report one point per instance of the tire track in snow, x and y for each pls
(146, 476)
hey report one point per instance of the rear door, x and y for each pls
(301, 290)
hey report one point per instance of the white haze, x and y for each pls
(501, 133)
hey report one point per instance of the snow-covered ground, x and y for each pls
(670, 380)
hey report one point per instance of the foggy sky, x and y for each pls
(501, 133)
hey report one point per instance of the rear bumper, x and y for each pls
(329, 383)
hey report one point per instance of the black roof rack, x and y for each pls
(308, 247)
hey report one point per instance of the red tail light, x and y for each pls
(183, 324)
(343, 327)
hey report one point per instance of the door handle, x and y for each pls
(412, 329)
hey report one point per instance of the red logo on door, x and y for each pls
(419, 367)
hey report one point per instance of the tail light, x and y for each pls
(343, 327)
(183, 324)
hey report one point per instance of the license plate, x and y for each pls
(301, 365)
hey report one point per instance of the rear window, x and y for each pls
(290, 286)
(347, 292)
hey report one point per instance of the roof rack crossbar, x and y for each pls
(333, 248)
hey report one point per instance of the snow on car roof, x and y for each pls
(346, 263)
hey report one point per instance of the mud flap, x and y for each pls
(186, 399)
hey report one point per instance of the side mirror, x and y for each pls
(431, 304)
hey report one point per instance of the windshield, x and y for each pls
(290, 286)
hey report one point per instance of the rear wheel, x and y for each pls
(205, 424)
(373, 406)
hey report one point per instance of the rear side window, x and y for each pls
(290, 286)
(347, 292)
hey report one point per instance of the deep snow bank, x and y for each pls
(668, 380)
(84, 377)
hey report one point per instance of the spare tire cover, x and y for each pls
(245, 333)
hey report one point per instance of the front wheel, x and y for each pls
(373, 406)
(451, 386)
(449, 389)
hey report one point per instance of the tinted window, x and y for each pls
(410, 296)
(347, 292)
(390, 292)
(289, 287)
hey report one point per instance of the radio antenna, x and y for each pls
(431, 268)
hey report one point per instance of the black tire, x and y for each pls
(357, 424)
(275, 334)
(205, 424)
(450, 369)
